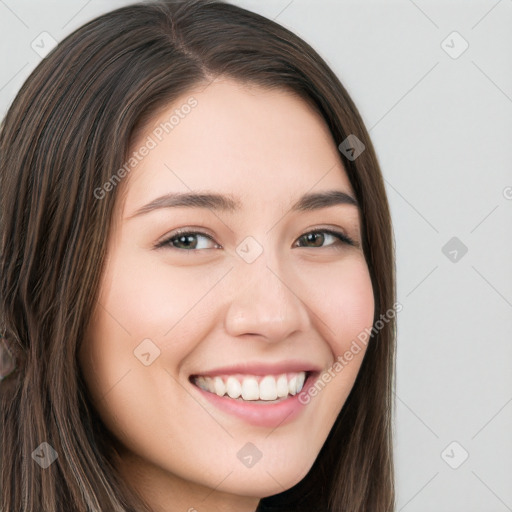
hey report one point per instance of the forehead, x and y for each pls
(261, 145)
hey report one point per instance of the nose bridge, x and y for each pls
(265, 300)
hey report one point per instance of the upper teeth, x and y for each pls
(251, 387)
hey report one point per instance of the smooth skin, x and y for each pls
(204, 306)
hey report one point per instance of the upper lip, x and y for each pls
(262, 368)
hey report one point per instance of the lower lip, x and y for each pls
(262, 414)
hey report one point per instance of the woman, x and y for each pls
(197, 274)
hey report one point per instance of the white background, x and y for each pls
(442, 129)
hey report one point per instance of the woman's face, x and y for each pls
(245, 295)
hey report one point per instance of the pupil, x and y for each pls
(184, 239)
(312, 236)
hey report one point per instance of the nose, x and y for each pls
(266, 302)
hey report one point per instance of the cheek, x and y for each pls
(342, 299)
(137, 303)
(140, 301)
(143, 300)
(345, 311)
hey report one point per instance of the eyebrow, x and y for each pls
(228, 203)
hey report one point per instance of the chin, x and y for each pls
(265, 480)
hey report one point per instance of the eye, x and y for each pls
(318, 237)
(186, 240)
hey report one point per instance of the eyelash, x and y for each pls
(342, 238)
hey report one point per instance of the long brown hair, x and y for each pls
(67, 131)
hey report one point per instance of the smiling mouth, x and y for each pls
(253, 388)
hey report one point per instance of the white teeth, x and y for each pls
(233, 387)
(292, 385)
(282, 386)
(200, 381)
(219, 386)
(248, 388)
(268, 388)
